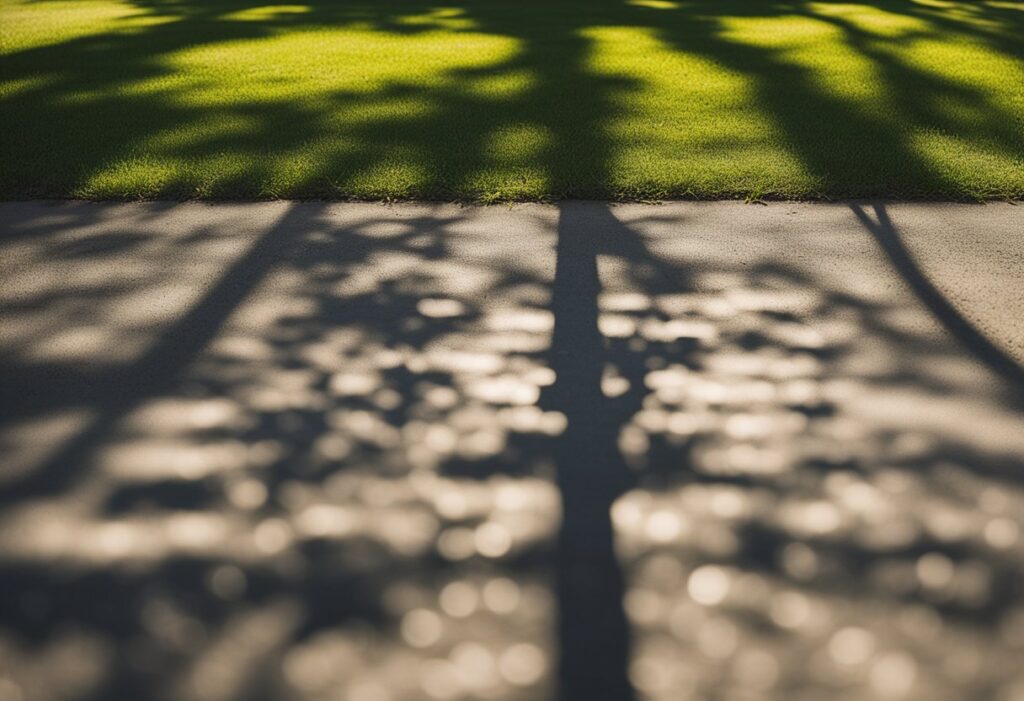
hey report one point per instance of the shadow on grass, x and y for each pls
(436, 139)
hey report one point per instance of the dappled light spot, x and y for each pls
(328, 521)
(459, 599)
(708, 585)
(155, 458)
(504, 389)
(475, 666)
(624, 302)
(717, 638)
(531, 419)
(935, 571)
(501, 595)
(665, 526)
(439, 680)
(757, 669)
(893, 675)
(492, 539)
(440, 308)
(344, 384)
(271, 536)
(522, 664)
(667, 331)
(1002, 533)
(851, 646)
(180, 416)
(616, 326)
(790, 609)
(613, 384)
(421, 628)
(814, 518)
(456, 544)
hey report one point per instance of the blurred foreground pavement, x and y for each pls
(359, 452)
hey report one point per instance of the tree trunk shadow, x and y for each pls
(593, 631)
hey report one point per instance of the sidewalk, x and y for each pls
(338, 440)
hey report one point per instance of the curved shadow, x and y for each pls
(888, 238)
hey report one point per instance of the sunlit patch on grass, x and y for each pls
(395, 177)
(503, 85)
(13, 87)
(26, 25)
(875, 21)
(975, 167)
(304, 64)
(656, 4)
(527, 139)
(452, 18)
(226, 127)
(1004, 5)
(973, 14)
(152, 177)
(269, 12)
(397, 108)
(691, 117)
(841, 71)
(503, 184)
(137, 176)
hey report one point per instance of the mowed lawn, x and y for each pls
(512, 99)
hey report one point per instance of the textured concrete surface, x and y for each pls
(708, 450)
(972, 254)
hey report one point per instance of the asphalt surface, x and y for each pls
(310, 450)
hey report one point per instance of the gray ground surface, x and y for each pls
(312, 451)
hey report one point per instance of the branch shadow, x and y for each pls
(113, 395)
(975, 342)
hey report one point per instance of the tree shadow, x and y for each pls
(829, 133)
(882, 229)
(407, 443)
(438, 138)
(349, 455)
(113, 395)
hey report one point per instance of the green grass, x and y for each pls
(512, 99)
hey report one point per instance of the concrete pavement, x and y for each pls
(408, 436)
